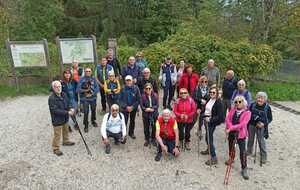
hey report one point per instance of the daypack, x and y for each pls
(110, 115)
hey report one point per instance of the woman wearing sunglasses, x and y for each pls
(184, 109)
(236, 128)
(201, 96)
(213, 116)
(149, 106)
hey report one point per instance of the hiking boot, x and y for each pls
(244, 174)
(204, 152)
(68, 143)
(124, 141)
(211, 162)
(86, 129)
(70, 129)
(94, 124)
(133, 136)
(107, 148)
(76, 127)
(263, 160)
(229, 161)
(187, 146)
(57, 152)
(146, 143)
(157, 157)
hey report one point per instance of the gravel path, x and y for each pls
(27, 161)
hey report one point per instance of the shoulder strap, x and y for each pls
(110, 115)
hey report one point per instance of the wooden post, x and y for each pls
(60, 56)
(13, 69)
(47, 60)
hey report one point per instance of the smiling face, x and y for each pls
(67, 75)
(239, 102)
(103, 61)
(146, 74)
(213, 93)
(241, 86)
(131, 61)
(260, 100)
(148, 89)
(183, 93)
(88, 72)
(56, 86)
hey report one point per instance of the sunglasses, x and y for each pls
(204, 82)
(212, 92)
(148, 88)
(238, 102)
(183, 92)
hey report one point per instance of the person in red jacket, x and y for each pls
(189, 79)
(184, 110)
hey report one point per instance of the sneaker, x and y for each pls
(187, 145)
(57, 152)
(86, 129)
(68, 143)
(70, 129)
(107, 148)
(76, 127)
(146, 143)
(229, 161)
(157, 157)
(244, 174)
(211, 162)
(95, 124)
(204, 152)
(133, 136)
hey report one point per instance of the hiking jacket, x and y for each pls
(145, 103)
(130, 96)
(59, 106)
(184, 106)
(99, 73)
(241, 127)
(163, 76)
(184, 82)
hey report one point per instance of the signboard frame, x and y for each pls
(13, 66)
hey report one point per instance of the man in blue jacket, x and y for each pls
(129, 102)
(101, 76)
(88, 89)
(132, 69)
(228, 87)
(60, 110)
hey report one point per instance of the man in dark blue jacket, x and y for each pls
(60, 109)
(88, 89)
(132, 69)
(229, 85)
(129, 102)
(114, 62)
(102, 75)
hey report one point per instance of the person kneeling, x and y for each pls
(167, 135)
(113, 125)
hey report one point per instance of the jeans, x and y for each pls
(86, 107)
(185, 131)
(103, 98)
(132, 121)
(210, 129)
(149, 126)
(169, 143)
(242, 147)
(252, 130)
(168, 94)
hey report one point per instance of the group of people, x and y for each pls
(132, 88)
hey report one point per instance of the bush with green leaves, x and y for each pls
(244, 58)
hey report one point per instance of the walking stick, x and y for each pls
(86, 146)
(208, 142)
(255, 149)
(231, 159)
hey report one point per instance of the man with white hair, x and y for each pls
(132, 69)
(228, 87)
(167, 135)
(212, 73)
(113, 125)
(60, 110)
(147, 79)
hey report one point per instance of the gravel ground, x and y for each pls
(27, 161)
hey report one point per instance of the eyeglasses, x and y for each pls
(212, 92)
(238, 102)
(183, 92)
(204, 81)
(114, 110)
(88, 71)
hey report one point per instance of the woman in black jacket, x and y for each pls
(213, 116)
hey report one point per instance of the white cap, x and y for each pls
(128, 77)
(111, 73)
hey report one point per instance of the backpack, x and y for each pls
(110, 115)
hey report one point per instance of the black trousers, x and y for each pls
(168, 95)
(116, 136)
(185, 131)
(130, 116)
(242, 147)
(86, 107)
(103, 98)
(149, 128)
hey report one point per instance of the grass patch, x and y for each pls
(11, 91)
(277, 91)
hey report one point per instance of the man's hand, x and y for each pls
(207, 119)
(149, 110)
(164, 149)
(129, 108)
(176, 151)
(115, 90)
(105, 141)
(71, 112)
(182, 116)
(101, 85)
(260, 124)
(186, 116)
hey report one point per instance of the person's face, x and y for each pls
(166, 117)
(129, 82)
(182, 64)
(239, 104)
(229, 75)
(114, 112)
(146, 74)
(103, 61)
(110, 54)
(241, 86)
(57, 88)
(88, 72)
(168, 61)
(183, 94)
(148, 90)
(75, 65)
(131, 61)
(189, 70)
(111, 77)
(213, 94)
(139, 57)
(260, 101)
(203, 82)
(210, 64)
(67, 75)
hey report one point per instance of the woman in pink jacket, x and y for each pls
(184, 110)
(236, 128)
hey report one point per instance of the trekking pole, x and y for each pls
(208, 142)
(86, 146)
(231, 159)
(255, 149)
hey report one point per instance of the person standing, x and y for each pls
(147, 79)
(184, 110)
(242, 91)
(180, 70)
(112, 89)
(141, 61)
(60, 110)
(76, 71)
(228, 87)
(189, 79)
(88, 89)
(132, 69)
(212, 73)
(168, 78)
(149, 106)
(114, 62)
(129, 102)
(102, 75)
